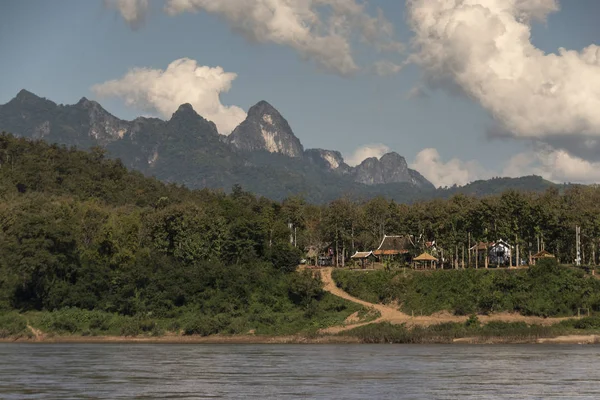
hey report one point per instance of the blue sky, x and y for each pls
(60, 49)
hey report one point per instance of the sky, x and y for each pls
(463, 89)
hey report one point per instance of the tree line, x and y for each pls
(80, 230)
(528, 221)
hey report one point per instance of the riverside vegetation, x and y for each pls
(544, 290)
(89, 248)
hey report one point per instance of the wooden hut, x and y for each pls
(425, 261)
(540, 255)
(392, 246)
(366, 258)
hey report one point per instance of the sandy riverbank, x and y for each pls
(252, 339)
(192, 339)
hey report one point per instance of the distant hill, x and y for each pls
(262, 154)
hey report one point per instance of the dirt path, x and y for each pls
(395, 316)
(39, 335)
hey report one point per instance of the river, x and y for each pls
(164, 371)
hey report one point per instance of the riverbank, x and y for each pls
(300, 339)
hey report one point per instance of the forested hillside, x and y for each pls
(78, 230)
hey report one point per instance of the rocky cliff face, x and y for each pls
(390, 168)
(188, 149)
(83, 124)
(327, 159)
(266, 130)
(101, 125)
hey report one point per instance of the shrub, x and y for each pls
(12, 324)
(201, 325)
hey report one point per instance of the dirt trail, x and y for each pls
(39, 335)
(395, 316)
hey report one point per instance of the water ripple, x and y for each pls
(165, 371)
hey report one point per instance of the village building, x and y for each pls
(425, 261)
(364, 258)
(542, 254)
(498, 253)
(394, 247)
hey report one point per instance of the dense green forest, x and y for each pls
(78, 231)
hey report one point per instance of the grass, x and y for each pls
(448, 332)
(13, 325)
(543, 290)
(261, 320)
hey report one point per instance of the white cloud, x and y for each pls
(429, 163)
(133, 11)
(184, 81)
(484, 46)
(367, 151)
(554, 165)
(417, 92)
(318, 30)
(386, 68)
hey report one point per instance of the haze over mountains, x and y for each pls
(262, 154)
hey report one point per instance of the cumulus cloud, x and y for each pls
(554, 165)
(184, 81)
(386, 68)
(133, 11)
(367, 151)
(557, 166)
(484, 46)
(429, 163)
(318, 30)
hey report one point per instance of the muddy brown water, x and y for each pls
(203, 371)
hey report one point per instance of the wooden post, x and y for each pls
(456, 256)
(487, 257)
(337, 257)
(469, 252)
(476, 256)
(517, 247)
(463, 256)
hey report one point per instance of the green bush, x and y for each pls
(12, 325)
(588, 323)
(546, 290)
(201, 325)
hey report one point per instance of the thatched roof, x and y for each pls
(391, 245)
(543, 254)
(425, 257)
(362, 254)
(481, 246)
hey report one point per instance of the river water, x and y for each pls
(164, 371)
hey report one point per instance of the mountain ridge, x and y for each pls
(262, 154)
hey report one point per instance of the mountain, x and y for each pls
(331, 160)
(265, 129)
(262, 154)
(390, 168)
(83, 124)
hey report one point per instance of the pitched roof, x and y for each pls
(425, 257)
(480, 246)
(394, 243)
(362, 254)
(543, 254)
(501, 243)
